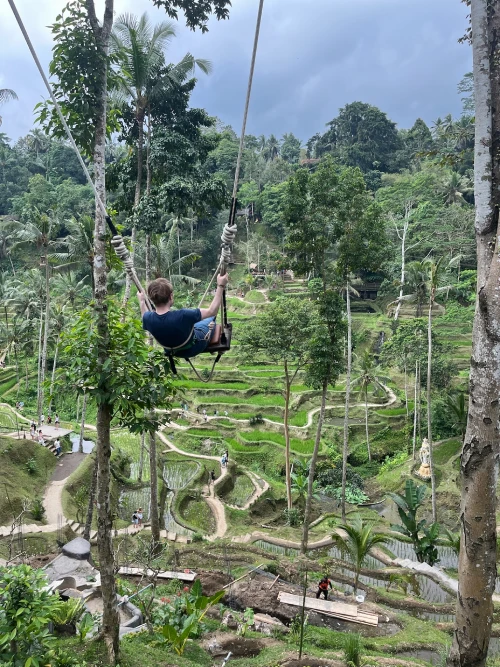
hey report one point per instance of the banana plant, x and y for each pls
(424, 537)
(196, 606)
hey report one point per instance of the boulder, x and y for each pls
(79, 549)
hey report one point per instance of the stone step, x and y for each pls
(93, 534)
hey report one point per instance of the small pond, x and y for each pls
(88, 445)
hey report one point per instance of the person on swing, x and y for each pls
(188, 330)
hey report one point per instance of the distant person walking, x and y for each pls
(42, 419)
(57, 445)
(135, 518)
(139, 516)
(56, 420)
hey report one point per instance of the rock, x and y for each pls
(266, 624)
(79, 549)
(230, 621)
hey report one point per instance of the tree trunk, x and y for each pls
(153, 512)
(366, 426)
(141, 457)
(54, 366)
(82, 424)
(288, 479)
(403, 252)
(90, 506)
(429, 410)
(39, 405)
(480, 453)
(43, 364)
(110, 619)
(406, 391)
(345, 449)
(148, 259)
(415, 411)
(312, 470)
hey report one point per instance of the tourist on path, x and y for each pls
(135, 518)
(56, 420)
(139, 516)
(57, 445)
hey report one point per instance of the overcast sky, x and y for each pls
(315, 56)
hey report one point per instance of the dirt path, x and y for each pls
(52, 500)
(212, 500)
(392, 398)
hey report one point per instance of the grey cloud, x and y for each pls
(314, 57)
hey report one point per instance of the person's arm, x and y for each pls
(213, 309)
(142, 303)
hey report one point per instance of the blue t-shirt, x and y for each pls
(173, 328)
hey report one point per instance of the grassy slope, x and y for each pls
(17, 483)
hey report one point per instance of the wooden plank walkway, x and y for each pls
(139, 571)
(345, 612)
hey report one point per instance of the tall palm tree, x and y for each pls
(367, 377)
(272, 148)
(40, 231)
(59, 320)
(6, 94)
(435, 270)
(357, 541)
(140, 49)
(416, 282)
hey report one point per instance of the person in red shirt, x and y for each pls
(323, 586)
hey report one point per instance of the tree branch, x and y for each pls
(94, 22)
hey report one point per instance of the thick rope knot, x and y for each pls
(228, 234)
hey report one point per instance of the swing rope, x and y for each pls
(230, 228)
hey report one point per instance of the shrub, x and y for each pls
(26, 611)
(37, 510)
(293, 517)
(392, 462)
(32, 466)
(353, 647)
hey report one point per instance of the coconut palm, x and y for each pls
(454, 187)
(416, 282)
(435, 272)
(272, 148)
(356, 539)
(368, 377)
(76, 250)
(6, 94)
(40, 231)
(71, 288)
(140, 50)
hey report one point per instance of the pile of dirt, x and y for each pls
(212, 582)
(219, 645)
